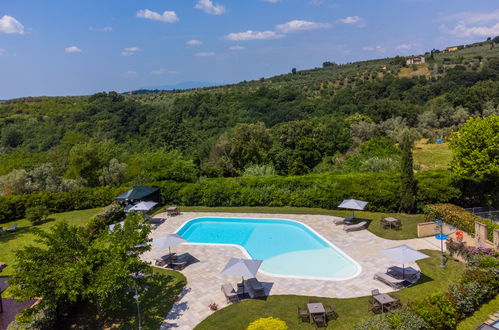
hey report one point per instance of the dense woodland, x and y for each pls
(338, 119)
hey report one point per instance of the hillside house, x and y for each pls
(451, 49)
(415, 60)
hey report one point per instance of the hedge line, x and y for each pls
(13, 207)
(325, 190)
(459, 218)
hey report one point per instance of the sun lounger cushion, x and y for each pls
(355, 227)
(255, 285)
(389, 280)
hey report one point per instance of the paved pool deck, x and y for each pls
(204, 278)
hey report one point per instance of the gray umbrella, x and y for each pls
(352, 204)
(403, 254)
(168, 241)
(242, 267)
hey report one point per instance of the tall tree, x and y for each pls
(408, 182)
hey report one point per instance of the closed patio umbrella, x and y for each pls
(168, 241)
(352, 204)
(242, 267)
(403, 254)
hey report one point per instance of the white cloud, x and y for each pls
(10, 25)
(167, 16)
(160, 72)
(472, 24)
(130, 51)
(210, 8)
(205, 54)
(72, 49)
(464, 31)
(354, 20)
(103, 29)
(129, 74)
(253, 35)
(404, 47)
(237, 48)
(2, 51)
(299, 25)
(377, 48)
(194, 42)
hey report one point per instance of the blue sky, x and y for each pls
(60, 47)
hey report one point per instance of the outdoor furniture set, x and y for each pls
(317, 313)
(390, 223)
(381, 302)
(252, 287)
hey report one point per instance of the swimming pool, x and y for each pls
(288, 248)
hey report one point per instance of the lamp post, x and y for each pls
(441, 237)
(136, 297)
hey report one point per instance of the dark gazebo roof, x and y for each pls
(139, 192)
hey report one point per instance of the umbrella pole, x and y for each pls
(171, 257)
(403, 271)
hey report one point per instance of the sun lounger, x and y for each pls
(409, 274)
(154, 221)
(343, 221)
(256, 288)
(13, 229)
(389, 280)
(359, 226)
(230, 293)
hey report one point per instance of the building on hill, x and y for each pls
(415, 60)
(451, 49)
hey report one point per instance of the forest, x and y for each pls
(336, 120)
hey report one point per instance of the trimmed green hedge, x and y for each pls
(13, 207)
(325, 190)
(459, 217)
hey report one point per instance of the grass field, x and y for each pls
(350, 311)
(432, 156)
(408, 230)
(10, 242)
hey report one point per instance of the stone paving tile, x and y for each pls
(204, 278)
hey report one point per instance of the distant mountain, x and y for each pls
(179, 86)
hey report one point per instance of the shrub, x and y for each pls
(112, 213)
(268, 323)
(259, 170)
(37, 214)
(402, 318)
(458, 217)
(456, 248)
(438, 311)
(468, 296)
(42, 318)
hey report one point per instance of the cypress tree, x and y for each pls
(408, 182)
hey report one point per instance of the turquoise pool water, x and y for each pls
(287, 248)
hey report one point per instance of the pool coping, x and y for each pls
(243, 250)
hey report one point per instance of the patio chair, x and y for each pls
(374, 292)
(230, 293)
(256, 287)
(320, 319)
(374, 306)
(303, 314)
(330, 313)
(13, 229)
(389, 280)
(359, 226)
(344, 220)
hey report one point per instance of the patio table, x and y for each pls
(316, 309)
(391, 221)
(384, 299)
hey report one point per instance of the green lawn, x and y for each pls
(408, 230)
(432, 156)
(164, 288)
(350, 311)
(480, 315)
(10, 242)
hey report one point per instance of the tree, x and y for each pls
(476, 148)
(408, 182)
(114, 174)
(293, 71)
(37, 214)
(70, 266)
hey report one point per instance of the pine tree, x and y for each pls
(408, 182)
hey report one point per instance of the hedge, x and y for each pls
(13, 207)
(459, 218)
(325, 190)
